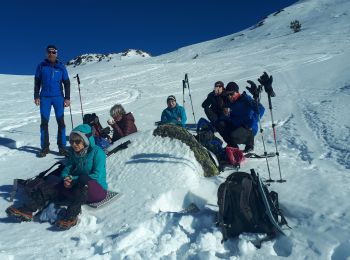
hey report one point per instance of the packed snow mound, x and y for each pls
(94, 58)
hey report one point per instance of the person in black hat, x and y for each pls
(214, 103)
(213, 107)
(241, 117)
(174, 113)
(51, 78)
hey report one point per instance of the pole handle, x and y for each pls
(78, 79)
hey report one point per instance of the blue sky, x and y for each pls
(103, 26)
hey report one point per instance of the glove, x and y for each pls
(253, 89)
(266, 81)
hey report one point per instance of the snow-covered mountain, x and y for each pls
(158, 176)
(93, 58)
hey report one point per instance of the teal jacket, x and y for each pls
(170, 115)
(92, 163)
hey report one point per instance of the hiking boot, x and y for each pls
(19, 213)
(43, 152)
(62, 151)
(66, 223)
(248, 148)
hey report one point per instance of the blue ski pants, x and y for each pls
(45, 110)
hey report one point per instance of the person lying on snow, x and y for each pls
(123, 123)
(174, 113)
(83, 180)
(240, 118)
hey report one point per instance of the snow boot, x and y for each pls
(66, 223)
(19, 213)
(62, 151)
(248, 149)
(43, 152)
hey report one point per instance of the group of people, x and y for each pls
(234, 115)
(83, 179)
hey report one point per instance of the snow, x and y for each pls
(158, 177)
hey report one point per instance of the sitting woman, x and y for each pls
(83, 180)
(174, 113)
(123, 123)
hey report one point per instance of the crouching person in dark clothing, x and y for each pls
(241, 118)
(83, 180)
(214, 105)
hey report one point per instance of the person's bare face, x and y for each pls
(52, 55)
(233, 96)
(218, 90)
(171, 103)
(77, 145)
(117, 117)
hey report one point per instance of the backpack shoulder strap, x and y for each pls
(244, 199)
(42, 174)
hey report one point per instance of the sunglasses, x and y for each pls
(77, 142)
(52, 52)
(219, 86)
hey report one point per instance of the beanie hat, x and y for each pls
(219, 84)
(51, 47)
(171, 97)
(231, 88)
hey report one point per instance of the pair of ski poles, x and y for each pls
(270, 94)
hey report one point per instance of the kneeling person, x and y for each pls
(83, 180)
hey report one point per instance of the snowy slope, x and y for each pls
(159, 177)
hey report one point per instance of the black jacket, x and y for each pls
(213, 106)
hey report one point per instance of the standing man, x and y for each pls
(50, 77)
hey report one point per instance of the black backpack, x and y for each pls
(97, 129)
(39, 181)
(246, 205)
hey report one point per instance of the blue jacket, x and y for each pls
(49, 79)
(170, 115)
(244, 113)
(92, 163)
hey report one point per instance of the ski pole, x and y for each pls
(274, 138)
(189, 93)
(81, 104)
(71, 118)
(262, 135)
(183, 92)
(256, 92)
